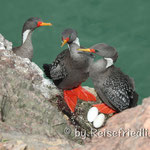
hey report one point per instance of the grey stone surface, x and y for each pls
(32, 105)
(34, 116)
(5, 44)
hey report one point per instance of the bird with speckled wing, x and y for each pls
(70, 69)
(114, 88)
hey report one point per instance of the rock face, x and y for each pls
(32, 105)
(129, 130)
(5, 44)
(34, 116)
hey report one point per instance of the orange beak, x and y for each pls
(65, 41)
(86, 50)
(39, 24)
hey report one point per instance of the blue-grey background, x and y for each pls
(124, 24)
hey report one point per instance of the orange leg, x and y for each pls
(83, 94)
(103, 108)
(71, 97)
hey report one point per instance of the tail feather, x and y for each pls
(103, 108)
(46, 68)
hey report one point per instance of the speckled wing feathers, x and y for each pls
(118, 90)
(57, 69)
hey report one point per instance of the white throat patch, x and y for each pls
(109, 62)
(25, 35)
(76, 41)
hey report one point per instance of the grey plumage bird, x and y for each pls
(70, 69)
(114, 88)
(26, 48)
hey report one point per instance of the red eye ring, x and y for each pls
(67, 39)
(39, 23)
(92, 50)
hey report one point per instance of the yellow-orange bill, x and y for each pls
(63, 43)
(84, 49)
(45, 24)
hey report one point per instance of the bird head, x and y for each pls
(68, 36)
(103, 50)
(33, 23)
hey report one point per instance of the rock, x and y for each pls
(5, 44)
(19, 141)
(128, 130)
(34, 116)
(32, 105)
(28, 100)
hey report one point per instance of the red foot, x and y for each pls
(83, 94)
(71, 96)
(70, 99)
(103, 108)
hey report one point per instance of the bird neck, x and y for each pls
(101, 65)
(26, 37)
(26, 40)
(76, 41)
(74, 53)
(79, 59)
(73, 47)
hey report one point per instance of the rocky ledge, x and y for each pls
(33, 114)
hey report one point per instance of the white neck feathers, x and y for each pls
(25, 35)
(109, 62)
(76, 41)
